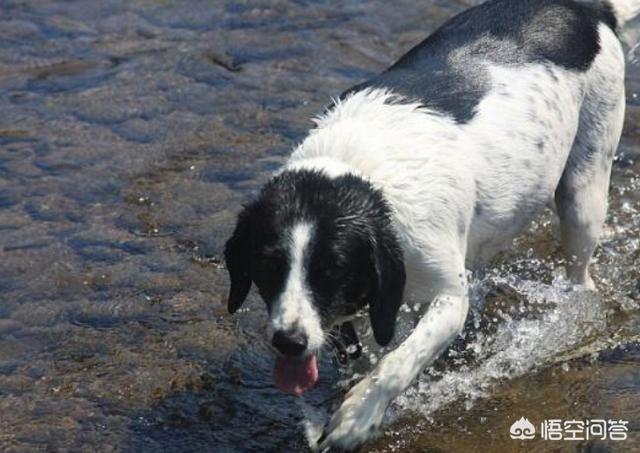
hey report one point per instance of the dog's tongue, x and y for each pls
(296, 375)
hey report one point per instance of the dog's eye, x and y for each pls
(267, 263)
(334, 271)
(268, 275)
(330, 268)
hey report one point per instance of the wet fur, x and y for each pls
(430, 169)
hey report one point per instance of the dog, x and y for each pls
(426, 171)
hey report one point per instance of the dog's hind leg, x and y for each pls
(582, 194)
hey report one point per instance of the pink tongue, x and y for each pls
(296, 375)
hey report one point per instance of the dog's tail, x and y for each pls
(623, 10)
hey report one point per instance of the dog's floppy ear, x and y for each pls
(237, 255)
(385, 303)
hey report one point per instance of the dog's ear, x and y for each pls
(237, 255)
(387, 298)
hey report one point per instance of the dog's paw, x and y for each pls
(357, 419)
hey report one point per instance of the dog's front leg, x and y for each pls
(363, 409)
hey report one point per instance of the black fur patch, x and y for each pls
(445, 71)
(353, 258)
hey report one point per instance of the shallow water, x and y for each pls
(131, 132)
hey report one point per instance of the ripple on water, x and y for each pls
(130, 134)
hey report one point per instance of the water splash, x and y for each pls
(547, 322)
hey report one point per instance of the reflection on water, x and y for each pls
(131, 132)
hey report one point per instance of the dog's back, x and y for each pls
(491, 102)
(448, 71)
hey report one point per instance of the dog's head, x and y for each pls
(318, 249)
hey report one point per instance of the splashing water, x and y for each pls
(511, 343)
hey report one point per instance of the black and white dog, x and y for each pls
(425, 171)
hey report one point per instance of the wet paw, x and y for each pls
(357, 419)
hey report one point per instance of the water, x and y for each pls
(131, 132)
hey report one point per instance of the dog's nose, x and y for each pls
(291, 343)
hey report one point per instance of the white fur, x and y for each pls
(294, 309)
(330, 167)
(625, 10)
(587, 177)
(461, 192)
